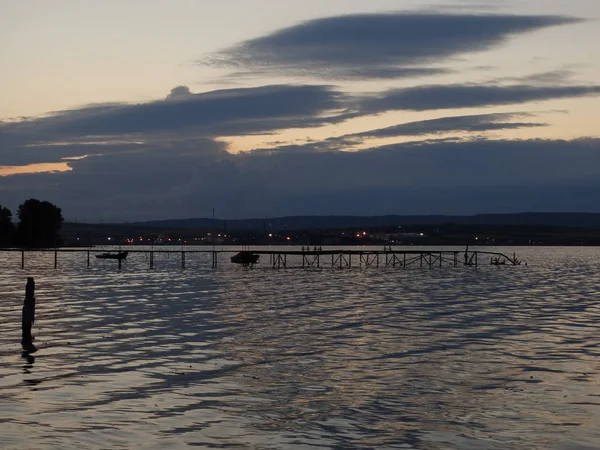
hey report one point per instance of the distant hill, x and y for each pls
(574, 220)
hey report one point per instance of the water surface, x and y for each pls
(418, 358)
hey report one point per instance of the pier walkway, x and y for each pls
(309, 257)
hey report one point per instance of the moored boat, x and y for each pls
(245, 258)
(112, 255)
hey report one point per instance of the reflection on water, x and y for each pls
(470, 358)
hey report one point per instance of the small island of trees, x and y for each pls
(39, 225)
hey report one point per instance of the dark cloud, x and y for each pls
(417, 178)
(472, 123)
(235, 111)
(183, 116)
(160, 159)
(377, 45)
(433, 97)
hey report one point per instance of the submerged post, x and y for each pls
(22, 259)
(55, 258)
(28, 316)
(88, 259)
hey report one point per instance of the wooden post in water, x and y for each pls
(28, 316)
(183, 260)
(55, 258)
(88, 259)
(22, 259)
(151, 260)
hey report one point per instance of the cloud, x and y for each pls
(229, 111)
(182, 117)
(433, 97)
(471, 123)
(377, 45)
(436, 176)
(551, 77)
(179, 91)
(350, 73)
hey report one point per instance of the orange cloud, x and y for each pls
(34, 168)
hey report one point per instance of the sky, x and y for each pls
(133, 110)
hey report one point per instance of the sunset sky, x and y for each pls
(126, 110)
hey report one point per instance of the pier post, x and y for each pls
(22, 259)
(151, 260)
(120, 260)
(28, 316)
(55, 258)
(183, 260)
(440, 259)
(88, 259)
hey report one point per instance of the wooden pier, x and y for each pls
(312, 258)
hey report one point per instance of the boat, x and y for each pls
(113, 255)
(245, 258)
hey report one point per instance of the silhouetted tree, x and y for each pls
(7, 228)
(39, 225)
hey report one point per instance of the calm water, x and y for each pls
(444, 358)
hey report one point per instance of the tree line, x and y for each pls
(39, 225)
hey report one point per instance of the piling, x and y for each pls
(28, 318)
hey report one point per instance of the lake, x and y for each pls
(386, 358)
